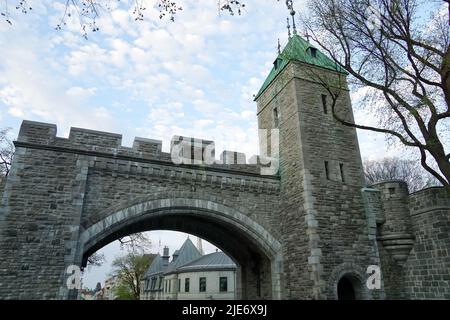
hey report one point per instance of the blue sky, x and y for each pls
(153, 79)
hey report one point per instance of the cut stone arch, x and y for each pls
(347, 279)
(253, 248)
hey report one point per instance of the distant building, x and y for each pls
(110, 288)
(190, 275)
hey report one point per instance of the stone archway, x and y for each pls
(254, 249)
(348, 282)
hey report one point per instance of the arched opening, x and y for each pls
(169, 257)
(345, 289)
(249, 245)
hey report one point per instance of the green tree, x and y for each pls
(130, 270)
(123, 292)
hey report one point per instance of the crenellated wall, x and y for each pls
(67, 197)
(414, 241)
(427, 270)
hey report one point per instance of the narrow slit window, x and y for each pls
(341, 168)
(276, 117)
(327, 171)
(324, 103)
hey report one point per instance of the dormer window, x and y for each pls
(277, 63)
(313, 52)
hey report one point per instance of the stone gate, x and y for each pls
(311, 230)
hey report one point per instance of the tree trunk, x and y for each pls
(438, 153)
(445, 77)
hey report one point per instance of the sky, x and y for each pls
(153, 78)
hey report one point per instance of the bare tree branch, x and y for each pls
(398, 169)
(406, 61)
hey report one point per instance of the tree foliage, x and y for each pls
(398, 169)
(403, 59)
(88, 11)
(136, 243)
(96, 259)
(123, 292)
(130, 270)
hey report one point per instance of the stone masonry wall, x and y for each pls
(427, 270)
(2, 185)
(59, 187)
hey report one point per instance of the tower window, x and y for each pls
(324, 103)
(391, 190)
(341, 168)
(327, 171)
(276, 117)
(186, 285)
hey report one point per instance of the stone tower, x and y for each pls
(328, 237)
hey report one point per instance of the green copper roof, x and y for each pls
(299, 49)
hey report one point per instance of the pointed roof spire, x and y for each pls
(279, 46)
(290, 6)
(298, 49)
(288, 27)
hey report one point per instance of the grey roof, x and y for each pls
(155, 267)
(186, 254)
(189, 259)
(216, 260)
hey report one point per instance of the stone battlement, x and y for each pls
(429, 199)
(43, 135)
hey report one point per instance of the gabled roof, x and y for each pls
(216, 260)
(298, 49)
(186, 254)
(155, 267)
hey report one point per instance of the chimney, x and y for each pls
(165, 256)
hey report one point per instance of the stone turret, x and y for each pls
(395, 232)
